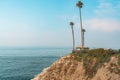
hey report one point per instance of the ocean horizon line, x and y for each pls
(32, 48)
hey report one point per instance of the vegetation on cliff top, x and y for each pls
(95, 58)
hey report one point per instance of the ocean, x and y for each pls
(25, 63)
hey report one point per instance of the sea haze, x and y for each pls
(25, 63)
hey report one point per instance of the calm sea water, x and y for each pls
(25, 63)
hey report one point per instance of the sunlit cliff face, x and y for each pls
(68, 67)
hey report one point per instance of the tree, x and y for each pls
(71, 24)
(79, 5)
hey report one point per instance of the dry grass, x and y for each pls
(95, 58)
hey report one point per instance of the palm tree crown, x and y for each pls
(71, 23)
(79, 4)
(83, 30)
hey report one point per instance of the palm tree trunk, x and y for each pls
(82, 40)
(73, 39)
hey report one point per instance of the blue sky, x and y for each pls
(46, 23)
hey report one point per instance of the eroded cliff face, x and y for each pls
(109, 71)
(67, 68)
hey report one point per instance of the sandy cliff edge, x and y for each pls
(66, 68)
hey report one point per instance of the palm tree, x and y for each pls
(79, 5)
(83, 31)
(71, 24)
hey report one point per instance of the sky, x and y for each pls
(37, 23)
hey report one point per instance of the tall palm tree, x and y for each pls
(71, 24)
(83, 31)
(79, 5)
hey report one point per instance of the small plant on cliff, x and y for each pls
(119, 59)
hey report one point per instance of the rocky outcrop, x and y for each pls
(67, 68)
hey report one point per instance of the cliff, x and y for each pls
(79, 66)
